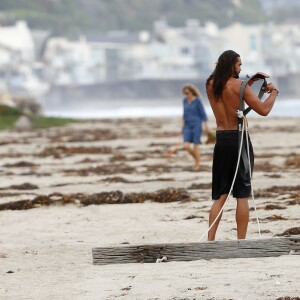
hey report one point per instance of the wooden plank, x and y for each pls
(195, 251)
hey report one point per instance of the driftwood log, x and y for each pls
(271, 247)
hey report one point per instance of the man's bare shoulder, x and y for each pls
(234, 81)
(234, 84)
(209, 89)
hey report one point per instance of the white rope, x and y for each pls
(252, 192)
(234, 177)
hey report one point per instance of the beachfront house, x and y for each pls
(247, 40)
(171, 55)
(17, 61)
(16, 44)
(120, 53)
(285, 38)
(16, 49)
(68, 62)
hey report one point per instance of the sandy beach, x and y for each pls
(53, 212)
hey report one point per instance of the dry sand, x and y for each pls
(45, 252)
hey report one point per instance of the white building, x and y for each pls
(282, 48)
(247, 40)
(16, 44)
(68, 62)
(17, 61)
(170, 55)
(176, 53)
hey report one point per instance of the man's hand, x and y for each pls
(261, 74)
(269, 88)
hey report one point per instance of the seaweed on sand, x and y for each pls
(115, 197)
(102, 170)
(57, 151)
(290, 231)
(23, 186)
(20, 164)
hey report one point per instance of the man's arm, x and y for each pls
(251, 81)
(262, 108)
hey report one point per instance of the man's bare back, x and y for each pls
(225, 108)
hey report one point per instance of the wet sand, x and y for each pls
(66, 190)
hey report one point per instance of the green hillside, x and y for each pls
(70, 17)
(9, 116)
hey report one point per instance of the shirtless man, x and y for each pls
(223, 88)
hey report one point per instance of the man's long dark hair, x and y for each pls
(223, 71)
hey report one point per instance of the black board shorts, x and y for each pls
(224, 165)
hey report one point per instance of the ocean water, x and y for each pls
(282, 108)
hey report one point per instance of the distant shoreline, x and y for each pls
(283, 108)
